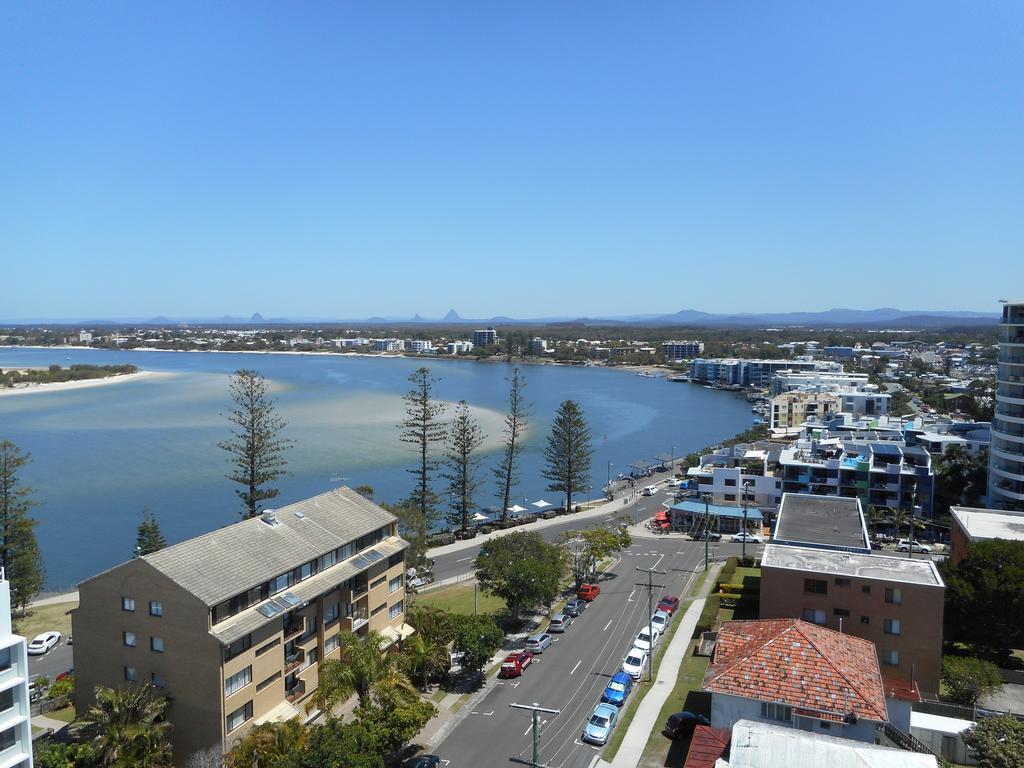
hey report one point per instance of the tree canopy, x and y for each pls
(586, 549)
(998, 742)
(148, 538)
(968, 679)
(984, 607)
(520, 568)
(19, 551)
(568, 452)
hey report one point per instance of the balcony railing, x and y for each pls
(297, 691)
(293, 628)
(293, 660)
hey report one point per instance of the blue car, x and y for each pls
(618, 689)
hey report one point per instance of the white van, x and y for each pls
(650, 490)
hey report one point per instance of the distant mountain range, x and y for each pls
(883, 317)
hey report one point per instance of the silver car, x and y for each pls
(559, 623)
(537, 643)
(659, 621)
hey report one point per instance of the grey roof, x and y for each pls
(829, 521)
(918, 570)
(223, 563)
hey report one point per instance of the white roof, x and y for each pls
(950, 726)
(759, 745)
(980, 524)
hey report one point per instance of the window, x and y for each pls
(730, 483)
(238, 681)
(5, 659)
(332, 643)
(891, 658)
(395, 559)
(816, 586)
(378, 582)
(326, 561)
(842, 582)
(778, 712)
(396, 610)
(269, 681)
(866, 589)
(128, 604)
(378, 609)
(6, 699)
(395, 584)
(239, 716)
(815, 615)
(281, 583)
(156, 608)
(331, 614)
(158, 680)
(156, 644)
(841, 612)
(240, 645)
(729, 496)
(304, 571)
(865, 620)
(272, 644)
(894, 596)
(7, 739)
(892, 626)
(131, 674)
(129, 639)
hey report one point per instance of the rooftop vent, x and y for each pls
(269, 517)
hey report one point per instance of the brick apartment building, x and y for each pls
(233, 624)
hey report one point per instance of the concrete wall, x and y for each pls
(726, 710)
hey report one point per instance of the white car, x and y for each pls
(675, 482)
(750, 538)
(905, 544)
(659, 621)
(642, 642)
(43, 643)
(634, 663)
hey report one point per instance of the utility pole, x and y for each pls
(650, 621)
(744, 489)
(707, 528)
(536, 710)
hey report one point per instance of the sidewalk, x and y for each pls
(50, 723)
(645, 718)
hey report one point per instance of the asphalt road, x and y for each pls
(571, 674)
(58, 660)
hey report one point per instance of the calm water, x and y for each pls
(102, 454)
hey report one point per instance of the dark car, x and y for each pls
(708, 535)
(668, 604)
(876, 545)
(424, 761)
(683, 723)
(575, 607)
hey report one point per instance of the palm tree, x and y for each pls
(876, 517)
(126, 728)
(423, 659)
(361, 669)
(266, 743)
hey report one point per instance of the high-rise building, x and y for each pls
(15, 716)
(485, 337)
(1006, 456)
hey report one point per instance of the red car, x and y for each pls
(668, 604)
(588, 592)
(514, 664)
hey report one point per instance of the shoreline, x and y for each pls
(63, 386)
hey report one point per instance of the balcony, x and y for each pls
(293, 661)
(291, 629)
(359, 617)
(297, 691)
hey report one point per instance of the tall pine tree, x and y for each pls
(19, 551)
(463, 463)
(148, 538)
(568, 452)
(507, 471)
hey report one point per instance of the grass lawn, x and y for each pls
(691, 675)
(458, 598)
(56, 617)
(67, 714)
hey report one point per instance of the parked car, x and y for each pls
(649, 490)
(634, 663)
(575, 607)
(643, 641)
(708, 535)
(42, 643)
(423, 761)
(876, 545)
(659, 621)
(559, 623)
(588, 592)
(618, 689)
(905, 545)
(683, 723)
(668, 604)
(749, 538)
(538, 642)
(675, 482)
(600, 724)
(515, 663)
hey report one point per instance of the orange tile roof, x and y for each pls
(799, 664)
(707, 745)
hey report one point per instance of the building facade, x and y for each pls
(485, 337)
(1006, 457)
(231, 626)
(15, 712)
(970, 524)
(745, 373)
(681, 350)
(791, 409)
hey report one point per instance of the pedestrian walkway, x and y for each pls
(51, 724)
(646, 716)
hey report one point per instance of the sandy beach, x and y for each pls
(61, 386)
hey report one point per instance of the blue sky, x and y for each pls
(527, 159)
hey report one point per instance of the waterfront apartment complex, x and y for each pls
(232, 625)
(746, 373)
(1006, 457)
(15, 713)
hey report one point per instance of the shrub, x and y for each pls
(708, 616)
(485, 529)
(967, 679)
(441, 539)
(63, 687)
(728, 570)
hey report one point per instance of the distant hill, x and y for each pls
(451, 317)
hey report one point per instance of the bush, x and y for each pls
(747, 562)
(728, 570)
(967, 679)
(485, 529)
(63, 687)
(708, 616)
(441, 539)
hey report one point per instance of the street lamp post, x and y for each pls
(707, 523)
(746, 485)
(608, 485)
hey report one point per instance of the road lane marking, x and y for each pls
(608, 624)
(656, 564)
(463, 559)
(577, 666)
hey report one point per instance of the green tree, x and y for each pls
(586, 549)
(267, 744)
(423, 428)
(335, 744)
(463, 463)
(256, 448)
(148, 538)
(424, 659)
(365, 490)
(968, 679)
(126, 728)
(361, 669)
(516, 424)
(568, 452)
(998, 742)
(477, 638)
(960, 478)
(520, 568)
(983, 596)
(432, 623)
(19, 551)
(51, 754)
(393, 716)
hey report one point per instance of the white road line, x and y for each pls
(659, 561)
(527, 731)
(608, 624)
(463, 559)
(577, 666)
